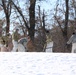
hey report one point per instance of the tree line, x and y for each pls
(64, 20)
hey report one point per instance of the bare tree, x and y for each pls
(41, 32)
(6, 5)
(63, 26)
(31, 28)
(32, 18)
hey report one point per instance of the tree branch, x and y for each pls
(58, 23)
(20, 12)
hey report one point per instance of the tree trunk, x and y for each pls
(7, 24)
(65, 34)
(32, 19)
(7, 10)
(44, 31)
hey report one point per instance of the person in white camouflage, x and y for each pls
(17, 46)
(3, 47)
(1, 42)
(15, 37)
(72, 40)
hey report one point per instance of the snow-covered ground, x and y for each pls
(37, 63)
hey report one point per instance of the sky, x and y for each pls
(47, 5)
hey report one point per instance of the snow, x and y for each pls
(18, 63)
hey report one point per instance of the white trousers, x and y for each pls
(17, 46)
(21, 48)
(49, 47)
(73, 48)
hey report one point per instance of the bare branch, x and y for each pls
(58, 23)
(20, 12)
